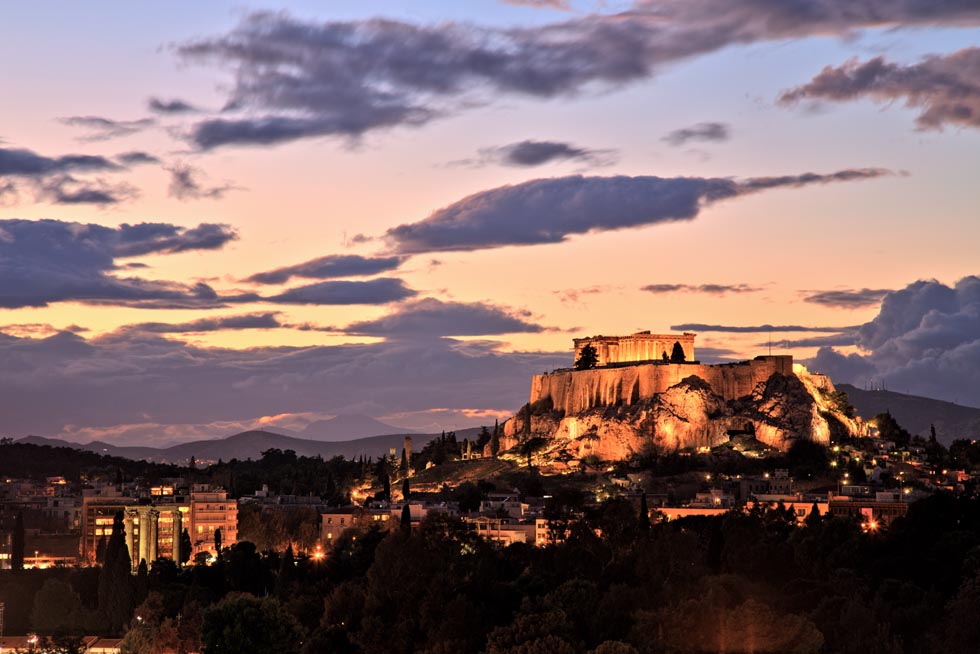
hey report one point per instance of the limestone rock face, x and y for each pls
(689, 414)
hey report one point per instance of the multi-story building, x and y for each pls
(211, 510)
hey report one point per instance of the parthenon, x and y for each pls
(641, 346)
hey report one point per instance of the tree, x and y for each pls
(403, 468)
(644, 518)
(588, 358)
(890, 430)
(386, 488)
(17, 544)
(242, 624)
(185, 546)
(57, 609)
(217, 542)
(100, 550)
(677, 354)
(495, 439)
(665, 357)
(406, 523)
(116, 586)
(406, 490)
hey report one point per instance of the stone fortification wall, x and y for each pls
(575, 391)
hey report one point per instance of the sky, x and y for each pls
(224, 216)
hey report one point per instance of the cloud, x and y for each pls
(562, 5)
(132, 378)
(329, 267)
(170, 106)
(842, 339)
(295, 79)
(136, 157)
(67, 189)
(754, 329)
(945, 89)
(373, 291)
(53, 179)
(551, 210)
(429, 318)
(186, 184)
(710, 289)
(19, 162)
(575, 295)
(103, 129)
(924, 340)
(44, 261)
(536, 153)
(267, 320)
(701, 132)
(848, 299)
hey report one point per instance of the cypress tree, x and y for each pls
(406, 491)
(404, 464)
(185, 547)
(495, 439)
(406, 519)
(17, 544)
(386, 489)
(217, 542)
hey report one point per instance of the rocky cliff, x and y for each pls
(688, 414)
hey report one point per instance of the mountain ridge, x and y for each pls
(251, 444)
(916, 413)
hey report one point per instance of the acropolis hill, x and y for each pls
(636, 397)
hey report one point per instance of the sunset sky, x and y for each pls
(218, 216)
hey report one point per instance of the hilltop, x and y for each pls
(916, 414)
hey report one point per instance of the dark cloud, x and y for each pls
(329, 267)
(136, 158)
(134, 378)
(373, 291)
(44, 261)
(710, 289)
(186, 184)
(430, 318)
(944, 89)
(170, 106)
(27, 163)
(925, 340)
(268, 320)
(53, 179)
(754, 329)
(702, 132)
(551, 210)
(103, 129)
(536, 153)
(295, 79)
(67, 189)
(848, 299)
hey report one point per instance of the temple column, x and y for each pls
(129, 523)
(144, 536)
(154, 530)
(177, 531)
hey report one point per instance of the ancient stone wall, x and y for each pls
(574, 391)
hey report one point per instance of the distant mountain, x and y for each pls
(916, 413)
(349, 427)
(251, 444)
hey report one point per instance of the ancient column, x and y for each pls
(129, 522)
(144, 536)
(154, 531)
(177, 531)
